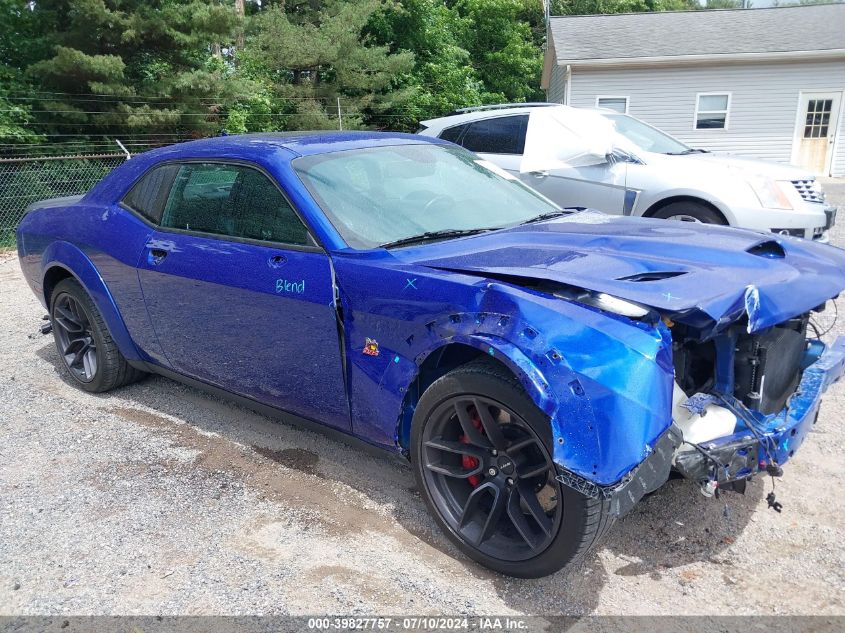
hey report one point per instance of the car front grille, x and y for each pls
(808, 190)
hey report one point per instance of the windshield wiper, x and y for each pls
(433, 235)
(548, 215)
(689, 150)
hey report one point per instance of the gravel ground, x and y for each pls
(157, 499)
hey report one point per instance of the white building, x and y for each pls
(766, 83)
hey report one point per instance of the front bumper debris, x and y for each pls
(763, 441)
(647, 477)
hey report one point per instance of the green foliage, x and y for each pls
(307, 55)
(175, 69)
(149, 62)
(589, 7)
(15, 115)
(25, 182)
(506, 53)
(466, 53)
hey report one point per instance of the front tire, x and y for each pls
(690, 212)
(481, 452)
(84, 343)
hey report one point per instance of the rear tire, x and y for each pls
(549, 526)
(84, 343)
(690, 212)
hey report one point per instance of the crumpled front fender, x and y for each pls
(611, 382)
(604, 381)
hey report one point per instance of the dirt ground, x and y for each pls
(158, 499)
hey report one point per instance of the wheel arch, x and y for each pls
(63, 260)
(665, 202)
(460, 351)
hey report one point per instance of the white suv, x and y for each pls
(618, 164)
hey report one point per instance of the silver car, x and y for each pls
(618, 164)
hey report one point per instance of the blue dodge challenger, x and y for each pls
(541, 368)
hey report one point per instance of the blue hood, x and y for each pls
(703, 275)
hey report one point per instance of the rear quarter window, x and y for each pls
(452, 134)
(148, 196)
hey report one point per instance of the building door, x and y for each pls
(815, 131)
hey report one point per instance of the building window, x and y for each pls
(617, 104)
(818, 118)
(711, 110)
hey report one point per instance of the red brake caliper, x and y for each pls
(468, 461)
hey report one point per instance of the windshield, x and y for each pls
(378, 195)
(644, 136)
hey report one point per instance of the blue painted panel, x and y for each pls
(228, 314)
(100, 248)
(224, 315)
(783, 433)
(718, 280)
(624, 371)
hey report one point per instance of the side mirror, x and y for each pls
(619, 155)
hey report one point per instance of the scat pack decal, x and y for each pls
(371, 347)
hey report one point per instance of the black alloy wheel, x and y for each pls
(494, 478)
(481, 454)
(84, 342)
(75, 337)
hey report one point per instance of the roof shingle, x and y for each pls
(592, 38)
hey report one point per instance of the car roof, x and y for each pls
(303, 143)
(495, 112)
(260, 149)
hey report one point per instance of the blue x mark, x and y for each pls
(411, 284)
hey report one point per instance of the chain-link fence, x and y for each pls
(26, 180)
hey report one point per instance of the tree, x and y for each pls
(171, 69)
(443, 76)
(307, 54)
(589, 7)
(148, 63)
(16, 120)
(503, 38)
(467, 52)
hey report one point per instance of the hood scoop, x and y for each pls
(769, 249)
(653, 276)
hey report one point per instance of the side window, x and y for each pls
(452, 134)
(231, 200)
(502, 135)
(149, 194)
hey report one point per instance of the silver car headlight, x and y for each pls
(769, 192)
(608, 303)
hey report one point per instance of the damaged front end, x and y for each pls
(676, 348)
(744, 402)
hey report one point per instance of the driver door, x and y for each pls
(239, 295)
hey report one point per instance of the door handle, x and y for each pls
(157, 255)
(540, 174)
(276, 260)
